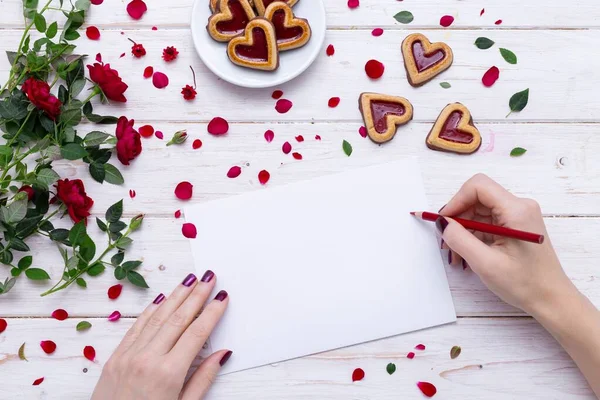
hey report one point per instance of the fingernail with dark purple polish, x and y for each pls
(222, 295)
(444, 206)
(465, 264)
(189, 280)
(159, 299)
(441, 223)
(442, 244)
(225, 358)
(207, 277)
(450, 257)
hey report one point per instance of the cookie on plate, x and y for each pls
(291, 32)
(230, 20)
(256, 48)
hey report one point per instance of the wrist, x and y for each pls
(556, 306)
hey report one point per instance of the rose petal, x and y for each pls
(146, 131)
(374, 69)
(427, 388)
(330, 50)
(490, 77)
(132, 193)
(283, 105)
(362, 131)
(317, 137)
(92, 33)
(300, 138)
(358, 374)
(218, 126)
(410, 355)
(481, 12)
(48, 346)
(377, 32)
(420, 347)
(189, 230)
(3, 325)
(60, 314)
(297, 156)
(197, 144)
(286, 148)
(353, 3)
(333, 102)
(154, 28)
(89, 352)
(498, 22)
(446, 20)
(114, 291)
(159, 134)
(122, 55)
(234, 172)
(38, 381)
(114, 316)
(97, 2)
(160, 80)
(178, 214)
(184, 190)
(148, 71)
(136, 9)
(263, 177)
(277, 94)
(269, 136)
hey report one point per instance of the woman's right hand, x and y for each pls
(526, 275)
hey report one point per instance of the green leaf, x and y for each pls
(517, 152)
(59, 235)
(508, 56)
(6, 257)
(101, 119)
(83, 326)
(18, 245)
(347, 147)
(101, 224)
(46, 226)
(77, 87)
(82, 4)
(73, 263)
(131, 265)
(114, 212)
(118, 226)
(95, 138)
(404, 17)
(47, 176)
(113, 175)
(120, 273)
(97, 171)
(81, 282)
(136, 279)
(52, 30)
(117, 258)
(391, 368)
(518, 101)
(445, 85)
(87, 248)
(77, 233)
(15, 272)
(123, 242)
(455, 352)
(96, 269)
(40, 22)
(27, 226)
(37, 274)
(483, 43)
(25, 262)
(71, 35)
(15, 212)
(73, 151)
(22, 353)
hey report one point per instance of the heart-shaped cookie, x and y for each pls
(257, 47)
(230, 20)
(291, 32)
(214, 5)
(383, 114)
(262, 5)
(424, 60)
(454, 131)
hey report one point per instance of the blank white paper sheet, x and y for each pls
(322, 264)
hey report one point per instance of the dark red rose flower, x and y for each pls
(72, 194)
(29, 190)
(38, 93)
(109, 81)
(169, 53)
(188, 92)
(129, 143)
(138, 50)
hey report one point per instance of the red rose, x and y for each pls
(129, 143)
(109, 81)
(188, 92)
(72, 194)
(29, 190)
(138, 50)
(38, 93)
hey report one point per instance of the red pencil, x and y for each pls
(486, 228)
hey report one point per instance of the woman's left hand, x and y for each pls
(153, 359)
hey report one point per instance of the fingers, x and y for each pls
(166, 308)
(191, 341)
(136, 329)
(478, 189)
(203, 378)
(180, 319)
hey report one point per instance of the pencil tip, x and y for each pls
(413, 213)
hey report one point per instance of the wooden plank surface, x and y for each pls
(501, 359)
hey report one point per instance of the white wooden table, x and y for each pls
(506, 355)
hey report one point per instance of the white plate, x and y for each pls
(291, 63)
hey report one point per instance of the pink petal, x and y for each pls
(446, 20)
(184, 190)
(159, 80)
(97, 2)
(277, 94)
(159, 135)
(148, 71)
(283, 106)
(297, 156)
(498, 22)
(115, 316)
(92, 33)
(136, 9)
(178, 214)
(410, 355)
(420, 347)
(353, 3)
(286, 148)
(197, 144)
(269, 136)
(38, 381)
(218, 126)
(362, 131)
(317, 137)
(333, 102)
(189, 230)
(300, 138)
(48, 346)
(132, 193)
(60, 314)
(146, 131)
(330, 50)
(490, 77)
(377, 32)
(234, 172)
(263, 177)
